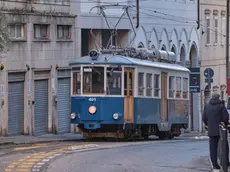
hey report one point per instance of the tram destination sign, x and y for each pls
(194, 82)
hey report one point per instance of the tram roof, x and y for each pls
(123, 60)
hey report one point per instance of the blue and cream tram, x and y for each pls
(123, 97)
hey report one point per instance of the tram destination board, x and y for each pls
(194, 83)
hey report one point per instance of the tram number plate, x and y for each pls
(91, 99)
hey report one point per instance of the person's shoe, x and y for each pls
(216, 167)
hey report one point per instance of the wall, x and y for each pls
(213, 52)
(38, 55)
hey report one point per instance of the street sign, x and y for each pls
(208, 74)
(194, 82)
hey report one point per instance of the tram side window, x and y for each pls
(76, 82)
(113, 81)
(178, 87)
(141, 84)
(156, 85)
(93, 80)
(149, 84)
(185, 88)
(171, 86)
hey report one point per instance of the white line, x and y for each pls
(40, 163)
(50, 157)
(37, 166)
(45, 160)
(35, 169)
(58, 154)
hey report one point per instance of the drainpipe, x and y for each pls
(198, 14)
(138, 13)
(227, 49)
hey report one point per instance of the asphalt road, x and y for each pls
(166, 156)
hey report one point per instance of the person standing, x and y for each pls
(214, 113)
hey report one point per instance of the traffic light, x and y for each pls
(1, 66)
(195, 81)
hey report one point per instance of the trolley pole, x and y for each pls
(227, 47)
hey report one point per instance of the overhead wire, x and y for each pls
(179, 20)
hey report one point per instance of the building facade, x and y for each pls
(213, 45)
(44, 37)
(173, 27)
(35, 81)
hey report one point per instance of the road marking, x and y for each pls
(34, 146)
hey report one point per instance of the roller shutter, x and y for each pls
(41, 107)
(63, 102)
(16, 103)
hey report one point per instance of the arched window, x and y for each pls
(182, 55)
(140, 45)
(173, 49)
(152, 47)
(163, 48)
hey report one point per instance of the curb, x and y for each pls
(37, 141)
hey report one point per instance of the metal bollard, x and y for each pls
(223, 147)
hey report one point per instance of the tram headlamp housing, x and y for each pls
(115, 116)
(73, 116)
(92, 110)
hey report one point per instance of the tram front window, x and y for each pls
(113, 86)
(93, 80)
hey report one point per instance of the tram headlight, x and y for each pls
(73, 115)
(115, 116)
(92, 109)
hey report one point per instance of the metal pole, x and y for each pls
(227, 43)
(223, 144)
(138, 13)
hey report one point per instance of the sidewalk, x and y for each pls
(39, 139)
(193, 134)
(15, 140)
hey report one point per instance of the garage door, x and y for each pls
(63, 105)
(41, 107)
(15, 104)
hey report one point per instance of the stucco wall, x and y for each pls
(213, 54)
(38, 55)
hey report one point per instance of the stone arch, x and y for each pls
(164, 39)
(173, 49)
(174, 38)
(193, 55)
(182, 55)
(154, 39)
(140, 37)
(184, 39)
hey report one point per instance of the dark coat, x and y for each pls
(213, 114)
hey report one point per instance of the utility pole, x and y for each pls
(138, 12)
(227, 46)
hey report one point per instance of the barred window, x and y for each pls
(171, 86)
(141, 84)
(185, 88)
(149, 84)
(156, 85)
(178, 87)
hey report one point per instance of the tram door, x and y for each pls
(129, 95)
(164, 113)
